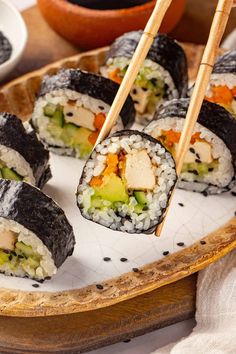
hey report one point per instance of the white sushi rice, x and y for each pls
(13, 160)
(224, 79)
(128, 221)
(62, 97)
(220, 177)
(156, 72)
(46, 268)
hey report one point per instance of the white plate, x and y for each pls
(198, 216)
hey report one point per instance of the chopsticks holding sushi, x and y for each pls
(216, 32)
(140, 54)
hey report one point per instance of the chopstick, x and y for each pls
(140, 54)
(203, 77)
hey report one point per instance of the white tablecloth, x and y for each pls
(149, 342)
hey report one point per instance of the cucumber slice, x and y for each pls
(58, 117)
(26, 250)
(10, 174)
(34, 263)
(140, 197)
(138, 209)
(49, 110)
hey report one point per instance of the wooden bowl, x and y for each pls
(89, 28)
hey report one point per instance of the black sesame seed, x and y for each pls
(107, 259)
(14, 253)
(192, 150)
(144, 89)
(99, 286)
(20, 256)
(198, 156)
(180, 244)
(123, 259)
(35, 285)
(154, 81)
(135, 270)
(157, 94)
(204, 193)
(136, 102)
(127, 340)
(233, 194)
(134, 91)
(69, 114)
(195, 172)
(235, 213)
(198, 161)
(202, 242)
(210, 169)
(165, 253)
(101, 108)
(10, 257)
(181, 204)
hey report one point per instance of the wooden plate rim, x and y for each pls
(129, 285)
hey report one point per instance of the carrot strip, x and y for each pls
(95, 181)
(99, 121)
(114, 76)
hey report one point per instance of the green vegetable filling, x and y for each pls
(72, 135)
(22, 256)
(113, 194)
(200, 169)
(9, 173)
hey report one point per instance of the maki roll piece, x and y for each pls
(127, 182)
(163, 75)
(71, 109)
(35, 235)
(210, 164)
(22, 156)
(222, 87)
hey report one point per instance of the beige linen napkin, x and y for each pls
(215, 332)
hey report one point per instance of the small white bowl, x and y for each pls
(13, 27)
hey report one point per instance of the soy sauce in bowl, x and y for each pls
(5, 48)
(108, 4)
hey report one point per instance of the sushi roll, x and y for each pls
(126, 183)
(163, 75)
(71, 109)
(22, 156)
(210, 164)
(35, 235)
(222, 87)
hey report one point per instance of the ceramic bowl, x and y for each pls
(90, 28)
(13, 27)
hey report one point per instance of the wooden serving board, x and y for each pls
(88, 330)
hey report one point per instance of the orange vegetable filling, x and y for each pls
(114, 164)
(171, 137)
(114, 76)
(222, 95)
(98, 123)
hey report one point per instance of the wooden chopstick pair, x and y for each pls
(203, 77)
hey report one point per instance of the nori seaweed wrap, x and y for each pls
(35, 235)
(210, 164)
(22, 156)
(163, 75)
(71, 109)
(222, 87)
(127, 182)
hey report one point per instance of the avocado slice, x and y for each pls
(112, 189)
(49, 110)
(140, 197)
(7, 173)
